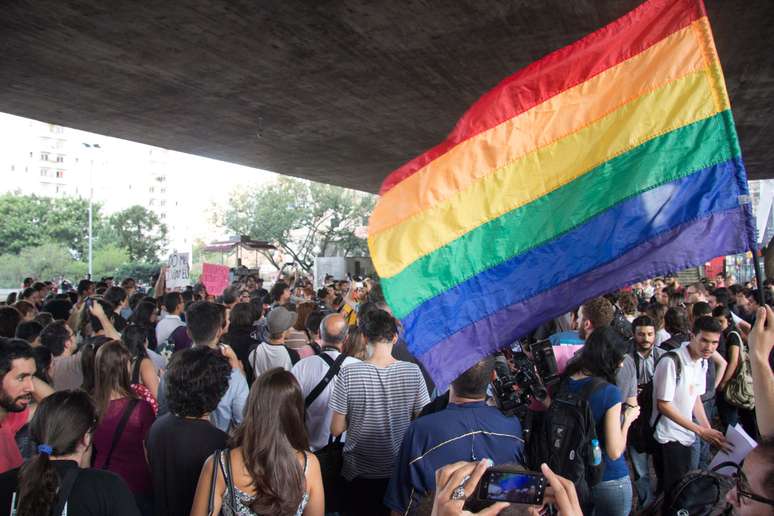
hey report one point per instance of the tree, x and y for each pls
(30, 221)
(303, 219)
(141, 271)
(140, 232)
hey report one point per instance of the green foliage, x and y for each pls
(141, 271)
(31, 221)
(140, 232)
(54, 261)
(304, 219)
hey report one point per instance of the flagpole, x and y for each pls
(758, 273)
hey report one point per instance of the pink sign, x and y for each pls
(215, 278)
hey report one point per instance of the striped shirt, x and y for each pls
(379, 404)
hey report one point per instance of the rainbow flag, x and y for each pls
(609, 161)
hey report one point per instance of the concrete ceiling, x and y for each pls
(335, 91)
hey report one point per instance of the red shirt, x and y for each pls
(10, 457)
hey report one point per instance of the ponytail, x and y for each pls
(58, 426)
(38, 485)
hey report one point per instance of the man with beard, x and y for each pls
(640, 365)
(17, 368)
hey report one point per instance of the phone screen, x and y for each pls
(513, 487)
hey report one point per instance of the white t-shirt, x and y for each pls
(268, 356)
(166, 326)
(682, 394)
(309, 372)
(661, 336)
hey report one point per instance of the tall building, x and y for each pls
(53, 161)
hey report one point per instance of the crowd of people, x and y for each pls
(298, 401)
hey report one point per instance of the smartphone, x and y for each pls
(506, 484)
(89, 301)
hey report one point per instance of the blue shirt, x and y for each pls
(601, 401)
(469, 432)
(230, 410)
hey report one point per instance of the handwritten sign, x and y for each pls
(178, 270)
(215, 278)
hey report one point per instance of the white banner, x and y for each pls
(178, 270)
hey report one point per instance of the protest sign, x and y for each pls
(177, 270)
(215, 278)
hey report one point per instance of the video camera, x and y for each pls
(520, 379)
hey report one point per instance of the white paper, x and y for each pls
(177, 271)
(742, 445)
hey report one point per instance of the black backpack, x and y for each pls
(641, 432)
(561, 437)
(699, 493)
(645, 432)
(621, 324)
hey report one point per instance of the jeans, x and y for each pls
(645, 494)
(613, 497)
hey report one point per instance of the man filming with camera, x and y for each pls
(466, 430)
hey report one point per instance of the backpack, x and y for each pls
(649, 443)
(621, 324)
(561, 437)
(699, 493)
(739, 389)
(640, 433)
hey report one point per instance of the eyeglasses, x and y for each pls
(743, 489)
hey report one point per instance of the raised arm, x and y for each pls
(761, 342)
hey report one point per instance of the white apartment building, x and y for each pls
(51, 160)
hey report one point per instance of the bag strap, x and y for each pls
(636, 357)
(213, 482)
(293, 354)
(678, 371)
(591, 387)
(120, 430)
(230, 480)
(68, 481)
(333, 370)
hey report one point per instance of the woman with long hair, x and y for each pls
(59, 472)
(731, 348)
(355, 344)
(298, 338)
(124, 421)
(593, 374)
(268, 470)
(145, 378)
(145, 315)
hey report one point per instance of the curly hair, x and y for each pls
(196, 380)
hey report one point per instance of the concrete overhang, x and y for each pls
(335, 91)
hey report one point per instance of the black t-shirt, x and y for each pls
(242, 341)
(177, 449)
(95, 492)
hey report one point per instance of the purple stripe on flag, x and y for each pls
(685, 246)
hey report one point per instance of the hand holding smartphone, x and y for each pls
(512, 484)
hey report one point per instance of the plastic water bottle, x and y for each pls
(596, 452)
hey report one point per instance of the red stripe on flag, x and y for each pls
(567, 67)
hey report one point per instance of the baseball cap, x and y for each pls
(280, 319)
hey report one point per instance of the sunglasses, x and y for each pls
(743, 489)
